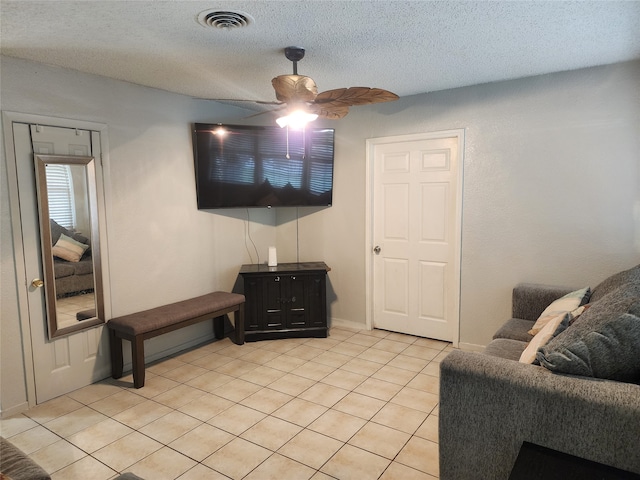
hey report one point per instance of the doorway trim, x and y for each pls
(8, 119)
(371, 143)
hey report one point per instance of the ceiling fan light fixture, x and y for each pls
(297, 119)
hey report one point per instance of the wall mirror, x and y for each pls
(70, 240)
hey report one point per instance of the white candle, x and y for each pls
(273, 258)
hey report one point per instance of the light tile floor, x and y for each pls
(68, 307)
(357, 405)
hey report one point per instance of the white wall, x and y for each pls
(551, 187)
(551, 193)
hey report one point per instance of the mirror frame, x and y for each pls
(46, 247)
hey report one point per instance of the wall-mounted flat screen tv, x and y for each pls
(258, 166)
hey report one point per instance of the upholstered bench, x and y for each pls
(137, 327)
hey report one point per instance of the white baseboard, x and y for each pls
(16, 409)
(128, 366)
(338, 322)
(471, 347)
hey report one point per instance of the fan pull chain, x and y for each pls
(304, 143)
(288, 156)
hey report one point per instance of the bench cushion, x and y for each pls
(159, 317)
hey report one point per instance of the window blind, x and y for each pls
(60, 194)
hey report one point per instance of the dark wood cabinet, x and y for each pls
(288, 300)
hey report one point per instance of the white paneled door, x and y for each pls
(63, 364)
(415, 224)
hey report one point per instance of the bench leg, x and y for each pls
(137, 357)
(218, 327)
(238, 324)
(115, 346)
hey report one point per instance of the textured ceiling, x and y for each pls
(408, 47)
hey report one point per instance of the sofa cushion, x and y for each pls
(505, 348)
(611, 351)
(62, 268)
(552, 328)
(626, 277)
(515, 329)
(559, 307)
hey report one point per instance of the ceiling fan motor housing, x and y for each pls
(295, 54)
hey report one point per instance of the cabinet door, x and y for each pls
(296, 301)
(274, 293)
(280, 302)
(253, 303)
(316, 301)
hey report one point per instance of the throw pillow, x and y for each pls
(568, 303)
(57, 230)
(610, 351)
(69, 249)
(553, 327)
(610, 306)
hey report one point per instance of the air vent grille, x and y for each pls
(224, 19)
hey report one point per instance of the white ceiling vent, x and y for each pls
(224, 19)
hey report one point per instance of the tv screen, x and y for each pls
(257, 166)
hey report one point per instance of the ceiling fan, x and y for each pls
(299, 95)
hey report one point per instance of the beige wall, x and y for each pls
(551, 193)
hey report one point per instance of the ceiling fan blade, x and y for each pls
(297, 88)
(355, 96)
(261, 102)
(265, 111)
(331, 112)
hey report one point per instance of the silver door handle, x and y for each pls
(377, 249)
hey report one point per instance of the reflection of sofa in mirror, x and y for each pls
(72, 262)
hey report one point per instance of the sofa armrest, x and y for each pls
(15, 464)
(530, 299)
(490, 405)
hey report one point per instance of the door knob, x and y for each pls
(37, 283)
(377, 249)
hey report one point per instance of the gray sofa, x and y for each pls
(71, 278)
(490, 402)
(16, 465)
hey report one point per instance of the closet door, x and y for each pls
(67, 363)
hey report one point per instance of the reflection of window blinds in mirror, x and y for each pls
(321, 167)
(60, 194)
